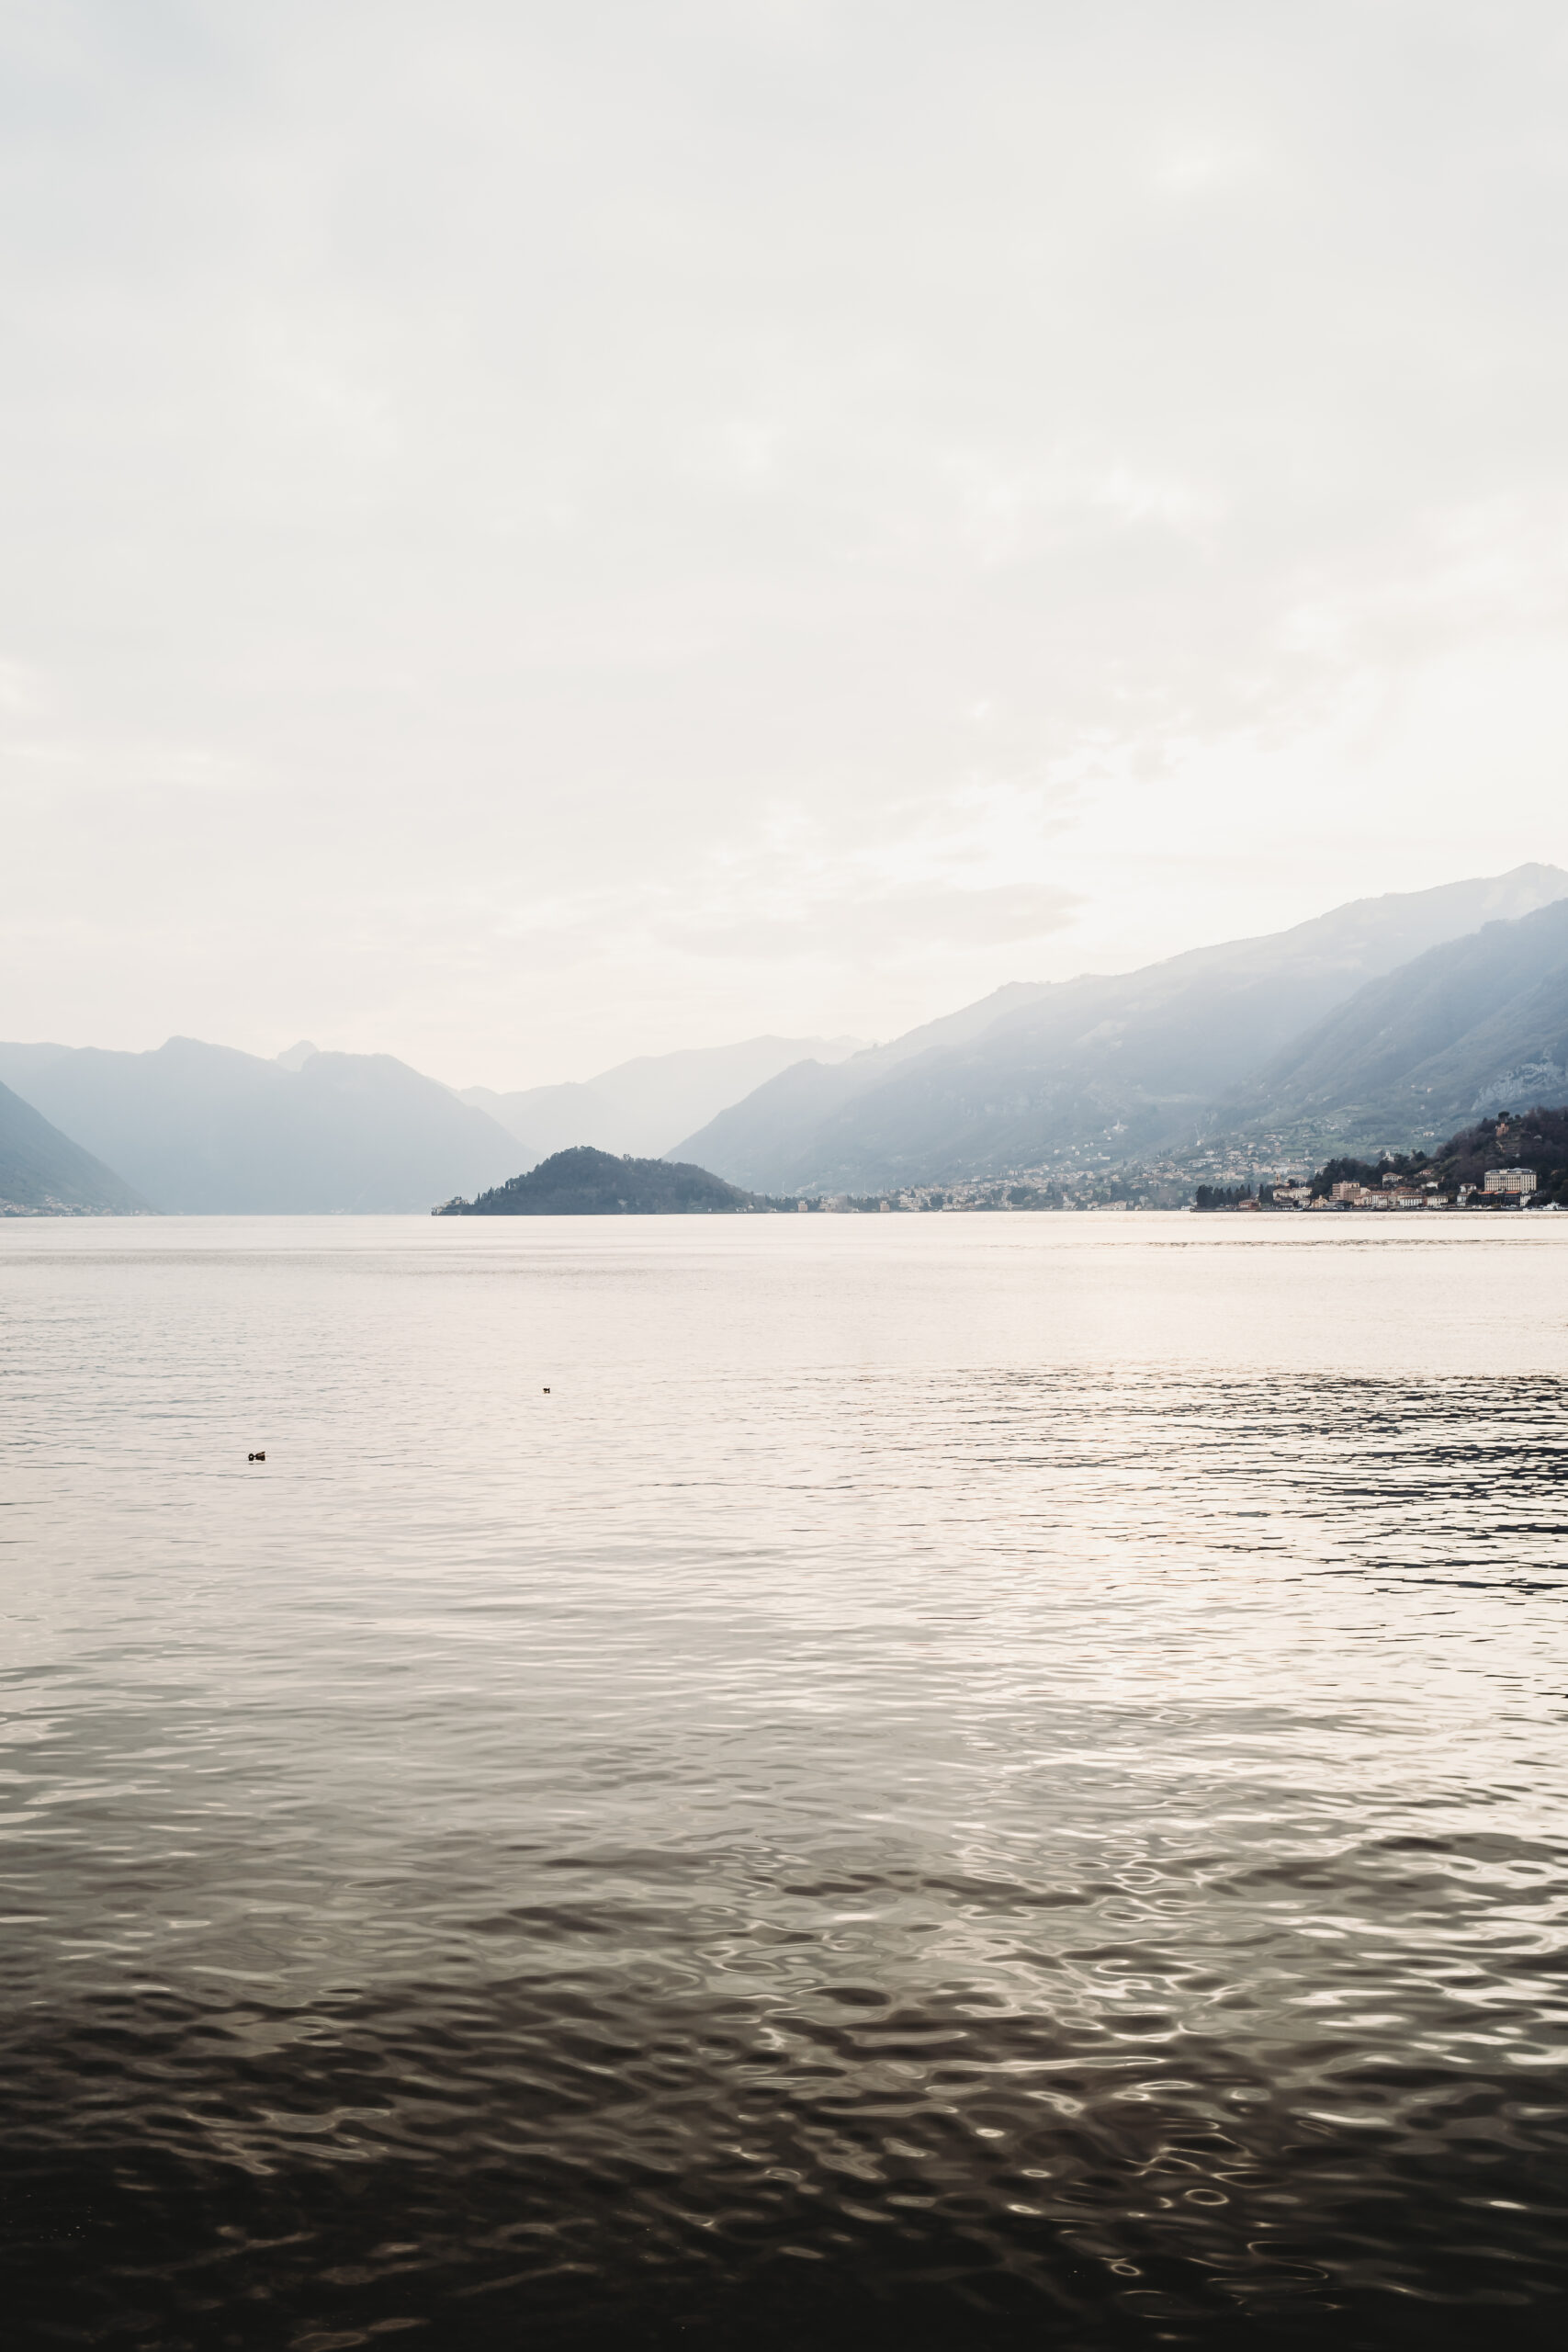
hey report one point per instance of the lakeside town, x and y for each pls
(1501, 1187)
(1509, 1162)
(1026, 1190)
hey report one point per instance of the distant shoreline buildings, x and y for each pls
(1401, 1193)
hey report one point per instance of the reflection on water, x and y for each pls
(998, 1780)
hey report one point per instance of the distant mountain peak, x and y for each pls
(201, 1129)
(644, 1104)
(298, 1056)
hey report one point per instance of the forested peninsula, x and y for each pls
(585, 1183)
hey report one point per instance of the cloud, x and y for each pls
(900, 923)
(735, 500)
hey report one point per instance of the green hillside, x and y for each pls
(585, 1183)
(1536, 1139)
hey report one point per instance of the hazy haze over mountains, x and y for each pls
(1127, 1064)
(1478, 1024)
(44, 1171)
(209, 1130)
(643, 1106)
(204, 1129)
(1400, 1012)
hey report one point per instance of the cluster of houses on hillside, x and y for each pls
(1510, 1185)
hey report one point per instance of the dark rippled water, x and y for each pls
(969, 1781)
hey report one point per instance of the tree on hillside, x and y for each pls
(1536, 1139)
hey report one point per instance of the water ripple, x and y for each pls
(952, 1788)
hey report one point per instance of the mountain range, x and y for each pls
(1113, 1069)
(202, 1129)
(1382, 1024)
(642, 1107)
(1478, 1025)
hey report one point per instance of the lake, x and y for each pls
(923, 1780)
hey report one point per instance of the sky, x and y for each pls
(536, 535)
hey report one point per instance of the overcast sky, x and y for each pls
(538, 533)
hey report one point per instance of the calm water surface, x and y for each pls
(970, 1780)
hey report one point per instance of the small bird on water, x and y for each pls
(255, 1458)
